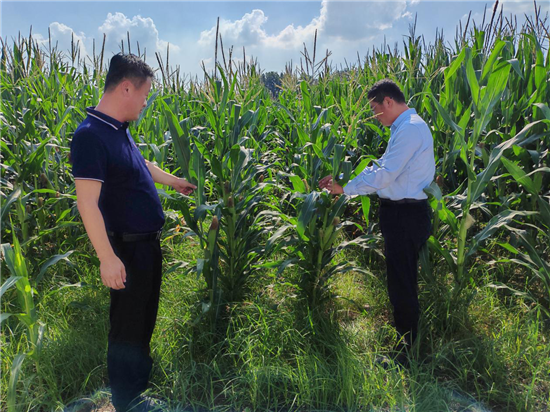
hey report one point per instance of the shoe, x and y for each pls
(147, 404)
(399, 360)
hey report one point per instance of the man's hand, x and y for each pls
(330, 184)
(183, 186)
(113, 273)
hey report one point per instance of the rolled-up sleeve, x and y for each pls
(401, 148)
(88, 157)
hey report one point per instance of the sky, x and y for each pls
(274, 33)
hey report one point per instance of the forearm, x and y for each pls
(159, 175)
(357, 186)
(95, 228)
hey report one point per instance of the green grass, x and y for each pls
(268, 356)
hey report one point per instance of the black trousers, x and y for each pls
(133, 313)
(405, 228)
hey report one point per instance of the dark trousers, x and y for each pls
(133, 314)
(405, 228)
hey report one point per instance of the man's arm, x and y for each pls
(113, 273)
(160, 176)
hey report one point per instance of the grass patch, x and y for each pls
(269, 355)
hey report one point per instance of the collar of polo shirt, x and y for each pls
(114, 123)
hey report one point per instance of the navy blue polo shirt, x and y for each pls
(102, 149)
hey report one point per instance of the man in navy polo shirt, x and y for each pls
(122, 214)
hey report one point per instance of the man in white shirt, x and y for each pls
(405, 169)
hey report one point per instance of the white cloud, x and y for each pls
(62, 35)
(142, 30)
(244, 32)
(337, 20)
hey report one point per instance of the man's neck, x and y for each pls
(402, 108)
(111, 108)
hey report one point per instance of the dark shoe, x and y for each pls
(401, 359)
(147, 404)
(383, 361)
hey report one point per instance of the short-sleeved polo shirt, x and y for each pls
(102, 149)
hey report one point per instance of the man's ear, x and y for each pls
(125, 86)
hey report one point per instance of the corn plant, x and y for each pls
(232, 244)
(310, 242)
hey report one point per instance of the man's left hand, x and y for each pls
(183, 186)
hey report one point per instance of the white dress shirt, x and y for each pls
(407, 166)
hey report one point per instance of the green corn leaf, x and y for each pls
(472, 79)
(12, 280)
(320, 118)
(337, 159)
(180, 139)
(497, 222)
(200, 267)
(307, 212)
(217, 168)
(520, 176)
(545, 110)
(306, 99)
(14, 195)
(15, 370)
(52, 261)
(62, 121)
(200, 171)
(4, 316)
(494, 160)
(516, 66)
(365, 205)
(361, 166)
(346, 171)
(455, 65)
(509, 248)
(544, 206)
(436, 247)
(446, 117)
(495, 54)
(337, 208)
(543, 267)
(297, 184)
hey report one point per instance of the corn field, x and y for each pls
(258, 218)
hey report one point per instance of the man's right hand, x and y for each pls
(330, 184)
(113, 273)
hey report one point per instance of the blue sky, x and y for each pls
(272, 32)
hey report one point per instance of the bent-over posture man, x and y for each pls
(405, 169)
(122, 214)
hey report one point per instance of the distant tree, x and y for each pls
(272, 81)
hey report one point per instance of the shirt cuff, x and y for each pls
(349, 190)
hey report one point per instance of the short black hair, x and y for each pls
(127, 66)
(385, 88)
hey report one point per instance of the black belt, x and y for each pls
(135, 237)
(402, 201)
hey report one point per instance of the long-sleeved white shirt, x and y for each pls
(407, 166)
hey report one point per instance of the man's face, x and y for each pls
(382, 111)
(138, 98)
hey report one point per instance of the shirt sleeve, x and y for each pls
(88, 157)
(401, 148)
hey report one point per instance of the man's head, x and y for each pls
(386, 101)
(129, 81)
